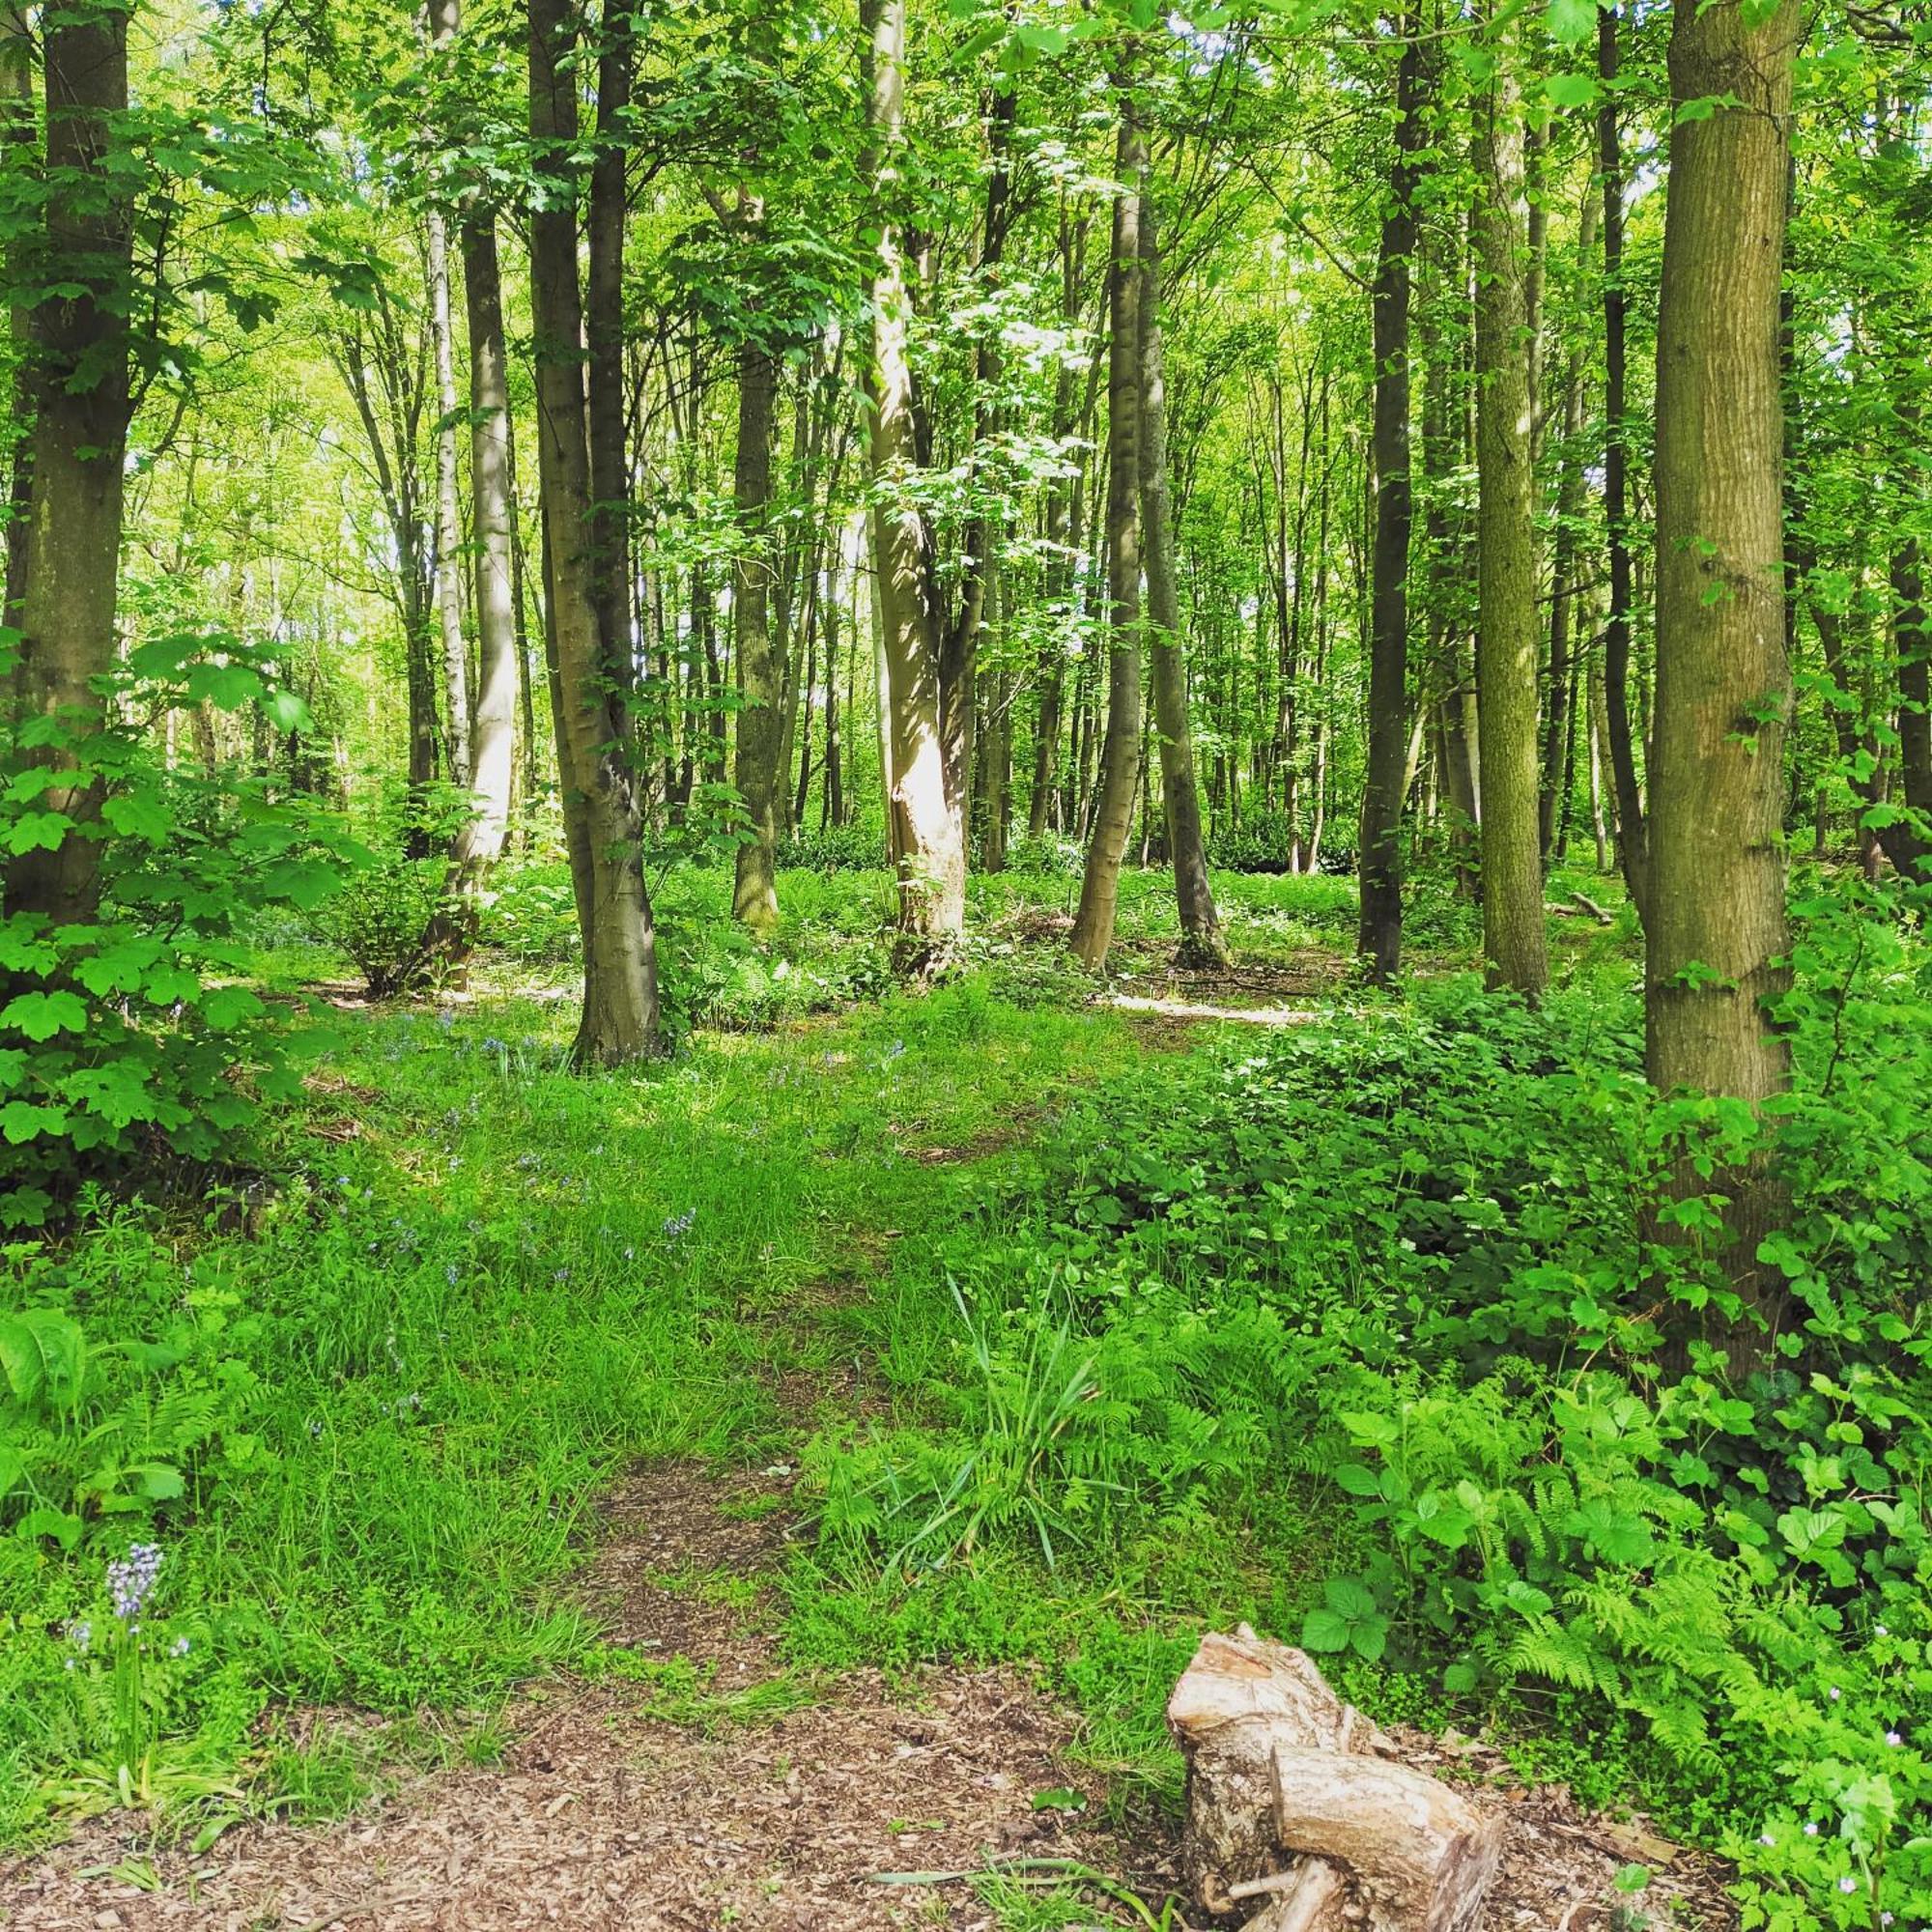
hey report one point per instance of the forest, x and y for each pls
(962, 960)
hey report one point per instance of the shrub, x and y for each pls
(128, 1036)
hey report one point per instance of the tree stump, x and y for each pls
(1294, 1806)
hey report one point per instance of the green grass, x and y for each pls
(482, 1285)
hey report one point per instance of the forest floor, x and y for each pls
(664, 1711)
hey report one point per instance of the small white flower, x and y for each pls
(1765, 1838)
(1894, 1738)
(178, 1648)
(1883, 1632)
(1847, 1884)
(1833, 1694)
(1811, 1828)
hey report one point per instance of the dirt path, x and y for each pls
(729, 1794)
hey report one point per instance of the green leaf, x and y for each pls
(1325, 1629)
(1571, 20)
(42, 1015)
(1358, 1479)
(1571, 90)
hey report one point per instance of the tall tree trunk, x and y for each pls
(492, 512)
(1908, 842)
(1119, 766)
(448, 514)
(603, 341)
(922, 799)
(1515, 942)
(1714, 906)
(1378, 935)
(1628, 797)
(19, 156)
(1557, 735)
(81, 390)
(761, 720)
(1201, 940)
(620, 991)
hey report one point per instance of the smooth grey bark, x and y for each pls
(448, 514)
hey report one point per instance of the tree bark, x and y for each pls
(923, 801)
(760, 721)
(609, 507)
(1120, 765)
(493, 734)
(20, 145)
(1201, 939)
(1628, 797)
(621, 994)
(1378, 934)
(1557, 719)
(82, 386)
(1514, 942)
(1714, 906)
(448, 515)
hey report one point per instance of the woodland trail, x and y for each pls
(707, 1781)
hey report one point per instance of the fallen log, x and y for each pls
(1293, 1802)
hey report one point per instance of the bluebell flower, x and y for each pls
(130, 1582)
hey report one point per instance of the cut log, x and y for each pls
(1239, 1701)
(1421, 1855)
(1236, 1678)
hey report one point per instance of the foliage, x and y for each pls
(1390, 1260)
(135, 1034)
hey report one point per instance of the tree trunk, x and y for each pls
(1119, 766)
(610, 506)
(1714, 907)
(620, 993)
(760, 720)
(80, 381)
(493, 738)
(448, 516)
(19, 153)
(1201, 940)
(1557, 717)
(1378, 934)
(1622, 745)
(923, 799)
(1514, 939)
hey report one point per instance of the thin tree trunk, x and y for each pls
(604, 340)
(1385, 789)
(501, 665)
(760, 718)
(1628, 797)
(1202, 943)
(1714, 907)
(621, 994)
(1515, 942)
(1119, 766)
(923, 799)
(1557, 719)
(448, 514)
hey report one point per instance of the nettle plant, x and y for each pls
(130, 1036)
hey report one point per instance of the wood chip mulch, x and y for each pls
(607, 1813)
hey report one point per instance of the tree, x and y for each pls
(1202, 943)
(1120, 753)
(924, 802)
(1715, 931)
(1514, 939)
(620, 993)
(82, 401)
(1385, 786)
